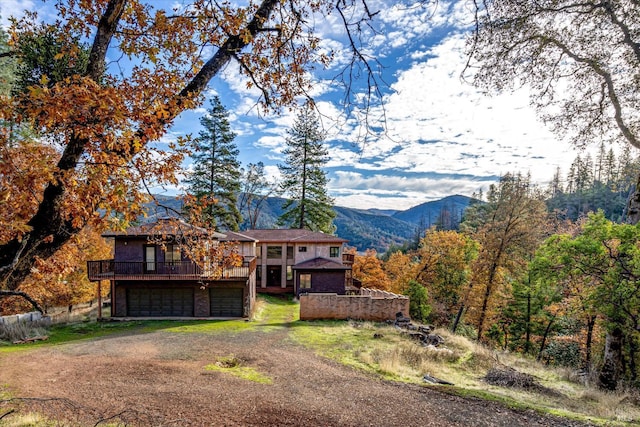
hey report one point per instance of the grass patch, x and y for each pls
(272, 313)
(234, 366)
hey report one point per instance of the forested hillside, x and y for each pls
(604, 182)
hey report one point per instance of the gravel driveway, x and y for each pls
(158, 379)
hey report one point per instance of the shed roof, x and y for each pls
(320, 264)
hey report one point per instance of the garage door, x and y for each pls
(226, 302)
(160, 302)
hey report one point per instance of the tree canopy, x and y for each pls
(215, 179)
(96, 123)
(303, 179)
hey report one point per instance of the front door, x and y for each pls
(274, 275)
(149, 259)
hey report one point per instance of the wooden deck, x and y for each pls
(174, 271)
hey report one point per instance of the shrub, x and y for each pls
(419, 307)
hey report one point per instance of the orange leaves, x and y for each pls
(25, 168)
(368, 269)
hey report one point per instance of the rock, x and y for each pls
(433, 380)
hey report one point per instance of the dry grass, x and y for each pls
(19, 331)
(466, 364)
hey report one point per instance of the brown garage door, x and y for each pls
(226, 302)
(160, 302)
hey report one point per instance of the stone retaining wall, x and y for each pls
(371, 304)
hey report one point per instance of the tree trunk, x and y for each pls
(527, 340)
(34, 303)
(483, 311)
(612, 367)
(544, 338)
(591, 322)
(633, 205)
(458, 317)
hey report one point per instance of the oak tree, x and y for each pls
(145, 66)
(508, 228)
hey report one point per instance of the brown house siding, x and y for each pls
(323, 281)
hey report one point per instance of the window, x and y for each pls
(305, 281)
(334, 251)
(259, 273)
(302, 249)
(289, 252)
(149, 258)
(259, 251)
(172, 254)
(274, 252)
(289, 273)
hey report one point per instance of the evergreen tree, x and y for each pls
(304, 182)
(215, 181)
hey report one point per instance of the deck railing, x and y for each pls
(181, 270)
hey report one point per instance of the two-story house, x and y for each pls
(298, 261)
(150, 276)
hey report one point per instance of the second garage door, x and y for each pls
(160, 302)
(226, 302)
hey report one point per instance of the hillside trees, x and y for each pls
(215, 179)
(508, 229)
(581, 61)
(607, 256)
(100, 121)
(303, 179)
(604, 182)
(442, 266)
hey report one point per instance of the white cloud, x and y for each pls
(14, 8)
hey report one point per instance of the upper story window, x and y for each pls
(259, 251)
(289, 252)
(334, 251)
(274, 252)
(302, 249)
(172, 254)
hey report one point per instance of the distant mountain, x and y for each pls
(364, 229)
(431, 213)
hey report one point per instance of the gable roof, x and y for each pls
(292, 236)
(163, 227)
(320, 264)
(232, 236)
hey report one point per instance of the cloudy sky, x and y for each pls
(442, 137)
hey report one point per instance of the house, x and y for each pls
(150, 275)
(300, 261)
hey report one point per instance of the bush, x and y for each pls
(419, 308)
(562, 353)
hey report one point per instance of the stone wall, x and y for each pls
(371, 305)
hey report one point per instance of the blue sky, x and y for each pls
(443, 136)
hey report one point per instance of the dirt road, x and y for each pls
(159, 379)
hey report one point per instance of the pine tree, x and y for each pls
(303, 180)
(215, 180)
